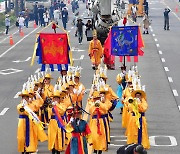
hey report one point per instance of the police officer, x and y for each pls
(166, 18)
(64, 17)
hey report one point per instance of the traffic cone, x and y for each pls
(21, 33)
(35, 26)
(176, 9)
(11, 42)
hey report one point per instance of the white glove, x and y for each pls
(54, 103)
(38, 95)
(71, 119)
(75, 91)
(138, 100)
(24, 102)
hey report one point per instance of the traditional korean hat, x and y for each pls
(48, 76)
(71, 83)
(96, 94)
(77, 74)
(119, 79)
(143, 94)
(94, 32)
(25, 93)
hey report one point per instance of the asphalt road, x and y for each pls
(163, 113)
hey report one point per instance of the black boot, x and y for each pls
(100, 152)
(147, 32)
(58, 152)
(53, 151)
(95, 151)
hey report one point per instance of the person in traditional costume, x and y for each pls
(125, 97)
(81, 134)
(79, 89)
(137, 129)
(30, 128)
(110, 95)
(47, 93)
(121, 80)
(95, 51)
(56, 127)
(99, 122)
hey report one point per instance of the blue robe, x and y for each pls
(119, 93)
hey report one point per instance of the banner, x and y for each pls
(53, 48)
(124, 41)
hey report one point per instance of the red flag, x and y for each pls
(135, 59)
(54, 48)
(121, 59)
(108, 58)
(128, 58)
(140, 43)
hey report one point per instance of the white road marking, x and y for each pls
(12, 34)
(157, 45)
(163, 60)
(82, 57)
(17, 95)
(155, 40)
(176, 15)
(160, 52)
(4, 111)
(20, 61)
(170, 79)
(151, 30)
(166, 69)
(72, 27)
(9, 71)
(153, 35)
(69, 31)
(179, 107)
(76, 49)
(18, 43)
(175, 92)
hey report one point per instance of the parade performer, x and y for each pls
(99, 123)
(48, 92)
(79, 88)
(110, 95)
(125, 97)
(30, 128)
(121, 80)
(56, 127)
(137, 129)
(81, 134)
(95, 51)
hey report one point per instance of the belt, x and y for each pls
(142, 114)
(102, 116)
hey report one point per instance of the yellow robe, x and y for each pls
(34, 132)
(100, 141)
(48, 90)
(125, 115)
(95, 52)
(132, 136)
(56, 137)
(79, 97)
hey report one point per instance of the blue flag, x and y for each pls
(124, 41)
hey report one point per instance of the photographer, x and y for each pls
(132, 149)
